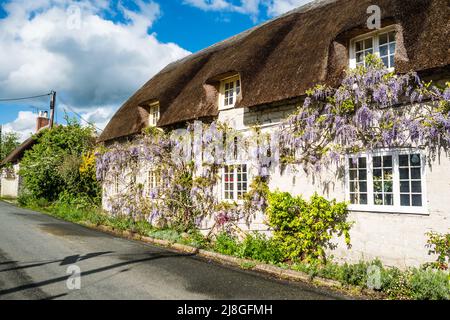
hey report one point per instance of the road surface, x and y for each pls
(37, 251)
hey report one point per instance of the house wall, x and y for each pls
(10, 185)
(396, 239)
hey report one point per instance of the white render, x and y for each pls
(397, 239)
(10, 184)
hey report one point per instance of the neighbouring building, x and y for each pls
(10, 179)
(260, 76)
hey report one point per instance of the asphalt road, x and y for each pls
(36, 251)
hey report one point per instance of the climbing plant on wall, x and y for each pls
(373, 108)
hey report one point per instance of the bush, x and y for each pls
(429, 284)
(258, 247)
(226, 244)
(53, 165)
(439, 244)
(305, 229)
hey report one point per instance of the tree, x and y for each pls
(9, 141)
(55, 165)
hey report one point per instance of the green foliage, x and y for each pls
(439, 244)
(52, 166)
(304, 229)
(254, 246)
(9, 141)
(226, 244)
(429, 284)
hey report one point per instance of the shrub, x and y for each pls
(429, 284)
(304, 229)
(52, 166)
(256, 246)
(439, 244)
(226, 244)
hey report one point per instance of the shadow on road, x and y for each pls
(150, 257)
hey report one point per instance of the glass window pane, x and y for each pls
(416, 200)
(363, 174)
(415, 173)
(377, 162)
(359, 46)
(392, 36)
(384, 51)
(388, 200)
(353, 198)
(385, 61)
(383, 38)
(363, 186)
(392, 48)
(405, 200)
(368, 43)
(387, 162)
(362, 163)
(404, 186)
(404, 174)
(388, 186)
(353, 175)
(416, 186)
(404, 160)
(378, 199)
(363, 199)
(392, 61)
(377, 174)
(360, 57)
(388, 174)
(377, 186)
(352, 186)
(415, 160)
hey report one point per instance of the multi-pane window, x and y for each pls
(235, 182)
(382, 44)
(154, 114)
(387, 46)
(358, 181)
(383, 181)
(116, 184)
(410, 180)
(362, 49)
(391, 181)
(153, 181)
(231, 88)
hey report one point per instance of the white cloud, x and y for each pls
(277, 7)
(24, 125)
(94, 62)
(249, 7)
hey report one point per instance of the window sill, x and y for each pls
(390, 210)
(226, 108)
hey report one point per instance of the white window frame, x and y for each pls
(376, 44)
(235, 182)
(396, 208)
(153, 180)
(154, 114)
(236, 79)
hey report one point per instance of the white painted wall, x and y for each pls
(397, 239)
(10, 185)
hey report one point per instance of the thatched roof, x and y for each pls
(17, 154)
(282, 58)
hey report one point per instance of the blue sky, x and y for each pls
(97, 53)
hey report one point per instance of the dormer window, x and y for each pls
(230, 89)
(154, 114)
(381, 43)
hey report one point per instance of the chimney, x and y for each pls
(42, 120)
